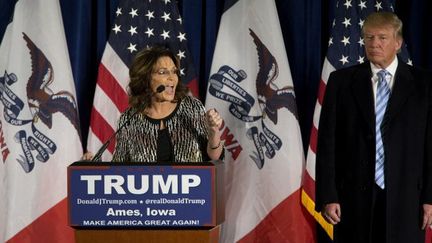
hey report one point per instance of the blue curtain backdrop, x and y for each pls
(305, 26)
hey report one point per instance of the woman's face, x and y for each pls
(164, 74)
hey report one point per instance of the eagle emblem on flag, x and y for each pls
(43, 102)
(270, 97)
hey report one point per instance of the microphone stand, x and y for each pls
(102, 149)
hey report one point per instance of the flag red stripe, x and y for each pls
(309, 185)
(194, 87)
(101, 128)
(112, 88)
(52, 226)
(287, 222)
(313, 139)
(428, 236)
(321, 91)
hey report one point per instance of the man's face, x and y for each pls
(381, 44)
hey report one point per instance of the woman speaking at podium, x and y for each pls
(164, 123)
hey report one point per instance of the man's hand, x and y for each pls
(332, 213)
(427, 215)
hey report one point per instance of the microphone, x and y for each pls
(102, 149)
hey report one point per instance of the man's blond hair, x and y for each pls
(380, 19)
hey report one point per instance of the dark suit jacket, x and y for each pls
(346, 152)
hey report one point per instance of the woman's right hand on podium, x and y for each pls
(87, 156)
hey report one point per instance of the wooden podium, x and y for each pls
(87, 223)
(210, 235)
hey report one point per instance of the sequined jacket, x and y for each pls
(137, 141)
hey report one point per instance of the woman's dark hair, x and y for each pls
(140, 74)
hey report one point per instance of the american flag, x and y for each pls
(138, 24)
(345, 48)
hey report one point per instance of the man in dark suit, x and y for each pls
(374, 156)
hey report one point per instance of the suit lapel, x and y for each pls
(402, 89)
(362, 91)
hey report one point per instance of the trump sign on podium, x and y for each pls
(143, 194)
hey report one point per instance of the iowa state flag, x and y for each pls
(39, 127)
(252, 88)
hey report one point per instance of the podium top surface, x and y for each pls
(89, 163)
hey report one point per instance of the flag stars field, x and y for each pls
(378, 6)
(165, 34)
(149, 32)
(344, 60)
(132, 30)
(346, 22)
(117, 28)
(361, 22)
(362, 5)
(330, 42)
(166, 16)
(345, 40)
(118, 11)
(150, 15)
(181, 36)
(361, 42)
(181, 54)
(348, 4)
(132, 47)
(133, 12)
